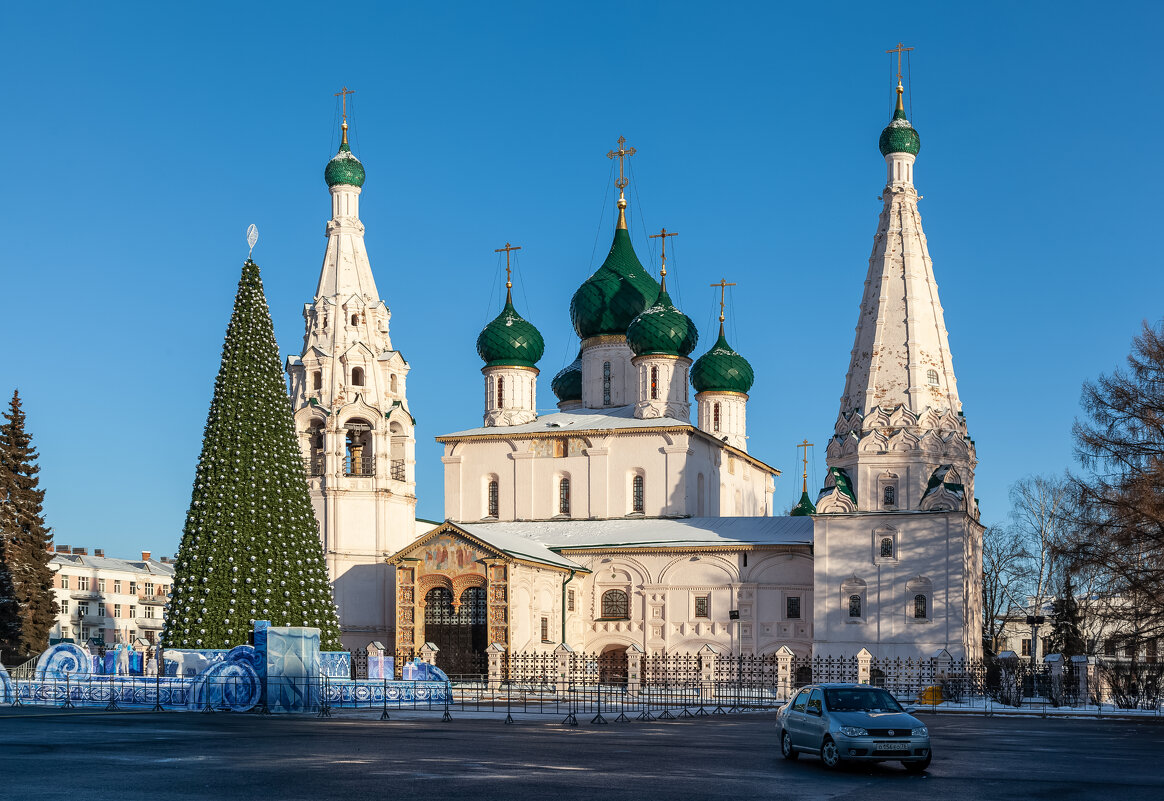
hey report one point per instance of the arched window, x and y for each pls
(890, 495)
(500, 391)
(359, 446)
(317, 379)
(355, 319)
(564, 496)
(715, 417)
(358, 376)
(615, 605)
(392, 382)
(606, 383)
(887, 547)
(854, 605)
(932, 377)
(654, 383)
(637, 502)
(920, 603)
(492, 501)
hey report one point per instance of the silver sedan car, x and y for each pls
(852, 722)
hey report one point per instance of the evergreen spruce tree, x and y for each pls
(26, 537)
(251, 548)
(1067, 625)
(9, 608)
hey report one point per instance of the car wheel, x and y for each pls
(786, 749)
(918, 767)
(830, 755)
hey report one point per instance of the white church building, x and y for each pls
(617, 522)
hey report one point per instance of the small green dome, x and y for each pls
(609, 300)
(721, 369)
(805, 507)
(899, 136)
(344, 168)
(567, 384)
(662, 329)
(510, 340)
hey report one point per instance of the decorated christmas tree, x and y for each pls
(251, 548)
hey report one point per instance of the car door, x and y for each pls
(815, 722)
(794, 720)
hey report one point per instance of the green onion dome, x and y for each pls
(344, 168)
(662, 330)
(721, 369)
(567, 384)
(804, 507)
(510, 340)
(618, 290)
(899, 136)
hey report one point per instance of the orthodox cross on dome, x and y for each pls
(723, 285)
(343, 95)
(508, 272)
(621, 154)
(806, 445)
(663, 234)
(901, 48)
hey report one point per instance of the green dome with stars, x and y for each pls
(721, 369)
(510, 340)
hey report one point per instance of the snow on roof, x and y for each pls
(152, 567)
(578, 420)
(643, 533)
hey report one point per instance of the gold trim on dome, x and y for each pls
(665, 356)
(699, 395)
(534, 370)
(604, 339)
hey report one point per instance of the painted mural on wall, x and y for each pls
(446, 554)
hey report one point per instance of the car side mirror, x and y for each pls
(911, 710)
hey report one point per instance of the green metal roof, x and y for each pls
(567, 384)
(805, 507)
(662, 329)
(611, 298)
(510, 340)
(344, 168)
(899, 136)
(721, 369)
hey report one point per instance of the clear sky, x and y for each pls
(141, 140)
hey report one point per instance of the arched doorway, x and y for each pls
(612, 665)
(458, 630)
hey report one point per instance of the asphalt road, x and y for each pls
(125, 755)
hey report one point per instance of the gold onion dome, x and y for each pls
(510, 340)
(899, 136)
(567, 384)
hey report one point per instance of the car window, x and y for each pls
(861, 699)
(798, 704)
(814, 702)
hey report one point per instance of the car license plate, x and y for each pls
(892, 746)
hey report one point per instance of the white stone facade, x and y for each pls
(115, 601)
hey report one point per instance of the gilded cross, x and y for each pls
(663, 234)
(508, 274)
(899, 50)
(621, 154)
(806, 445)
(723, 285)
(343, 95)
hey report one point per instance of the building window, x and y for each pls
(493, 504)
(392, 383)
(932, 377)
(920, 610)
(500, 392)
(887, 547)
(64, 582)
(606, 383)
(358, 376)
(82, 582)
(148, 611)
(889, 496)
(564, 496)
(117, 610)
(654, 383)
(149, 588)
(703, 606)
(83, 610)
(117, 585)
(792, 607)
(545, 629)
(65, 607)
(355, 319)
(615, 605)
(100, 585)
(715, 417)
(637, 504)
(854, 606)
(317, 379)
(570, 601)
(132, 610)
(132, 587)
(1026, 647)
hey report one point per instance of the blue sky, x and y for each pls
(140, 141)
